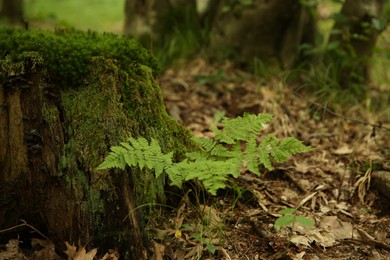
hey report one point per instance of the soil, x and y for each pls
(330, 185)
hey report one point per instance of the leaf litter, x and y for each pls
(331, 184)
(343, 184)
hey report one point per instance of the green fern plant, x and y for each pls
(234, 146)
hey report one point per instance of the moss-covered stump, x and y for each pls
(65, 98)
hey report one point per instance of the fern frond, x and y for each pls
(219, 159)
(292, 146)
(139, 153)
(246, 127)
(265, 149)
(251, 157)
(199, 155)
(220, 151)
(114, 159)
(178, 172)
(212, 174)
(222, 136)
(206, 144)
(236, 163)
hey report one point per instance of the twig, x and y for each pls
(25, 224)
(374, 243)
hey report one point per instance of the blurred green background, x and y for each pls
(97, 15)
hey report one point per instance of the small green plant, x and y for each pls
(289, 218)
(233, 147)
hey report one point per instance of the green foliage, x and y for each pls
(138, 152)
(67, 54)
(179, 35)
(97, 15)
(289, 218)
(217, 160)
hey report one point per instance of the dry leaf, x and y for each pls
(210, 215)
(302, 167)
(70, 250)
(339, 229)
(46, 249)
(82, 254)
(158, 251)
(343, 150)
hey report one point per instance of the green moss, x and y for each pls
(110, 108)
(67, 54)
(50, 113)
(108, 93)
(11, 66)
(95, 112)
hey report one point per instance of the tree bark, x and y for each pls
(271, 30)
(53, 136)
(147, 16)
(12, 10)
(356, 33)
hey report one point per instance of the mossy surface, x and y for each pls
(67, 53)
(107, 93)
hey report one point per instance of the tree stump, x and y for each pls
(65, 98)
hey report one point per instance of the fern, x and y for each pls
(234, 146)
(138, 152)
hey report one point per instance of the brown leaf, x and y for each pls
(70, 250)
(343, 150)
(82, 254)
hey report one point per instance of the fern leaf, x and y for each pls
(126, 145)
(207, 144)
(194, 156)
(219, 159)
(265, 149)
(222, 136)
(139, 155)
(292, 146)
(114, 159)
(251, 157)
(220, 151)
(246, 127)
(177, 173)
(129, 157)
(212, 174)
(236, 164)
(164, 162)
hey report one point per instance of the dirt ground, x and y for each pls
(332, 184)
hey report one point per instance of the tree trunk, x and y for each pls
(271, 30)
(147, 16)
(55, 131)
(12, 10)
(356, 33)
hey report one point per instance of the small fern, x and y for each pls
(138, 152)
(218, 158)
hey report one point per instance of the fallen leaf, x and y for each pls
(70, 251)
(82, 254)
(343, 150)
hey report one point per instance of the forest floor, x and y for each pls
(334, 184)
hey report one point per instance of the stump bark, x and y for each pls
(57, 124)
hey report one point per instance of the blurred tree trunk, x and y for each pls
(271, 30)
(145, 16)
(355, 35)
(12, 10)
